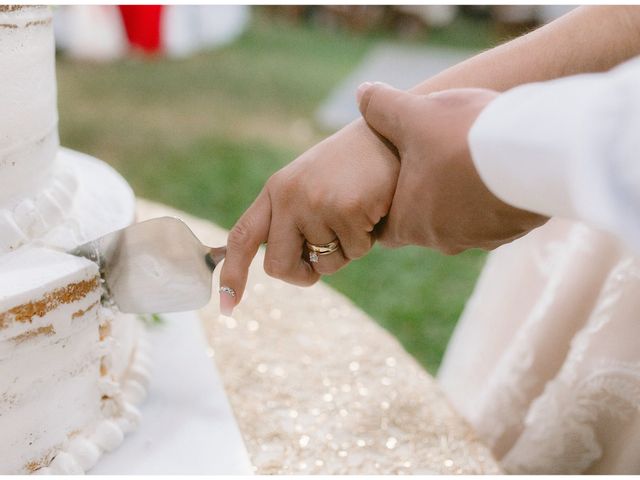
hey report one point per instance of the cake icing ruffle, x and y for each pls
(83, 199)
(82, 452)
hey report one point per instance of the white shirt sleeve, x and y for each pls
(568, 147)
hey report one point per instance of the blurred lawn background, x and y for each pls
(203, 134)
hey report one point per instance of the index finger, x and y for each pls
(246, 236)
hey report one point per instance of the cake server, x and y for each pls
(155, 266)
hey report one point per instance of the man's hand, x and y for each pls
(440, 200)
(339, 189)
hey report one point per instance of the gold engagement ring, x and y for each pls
(325, 249)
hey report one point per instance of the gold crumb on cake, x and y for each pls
(39, 308)
(104, 330)
(36, 23)
(81, 312)
(41, 331)
(32, 23)
(35, 465)
(12, 8)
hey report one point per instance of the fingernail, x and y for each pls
(227, 300)
(361, 89)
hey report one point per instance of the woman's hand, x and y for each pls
(339, 189)
(611, 37)
(440, 200)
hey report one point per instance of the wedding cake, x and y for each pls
(71, 369)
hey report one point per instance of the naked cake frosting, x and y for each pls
(71, 369)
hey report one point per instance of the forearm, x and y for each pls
(588, 39)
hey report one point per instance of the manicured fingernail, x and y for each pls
(227, 300)
(361, 89)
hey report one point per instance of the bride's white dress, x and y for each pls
(545, 361)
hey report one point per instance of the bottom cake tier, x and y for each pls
(71, 370)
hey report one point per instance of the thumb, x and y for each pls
(383, 108)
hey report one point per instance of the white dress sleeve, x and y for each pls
(568, 147)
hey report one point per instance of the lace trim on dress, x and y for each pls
(504, 403)
(560, 434)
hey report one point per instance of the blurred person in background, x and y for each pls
(109, 32)
(90, 32)
(544, 361)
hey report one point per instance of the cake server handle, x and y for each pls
(214, 256)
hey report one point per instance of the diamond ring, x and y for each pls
(228, 290)
(324, 249)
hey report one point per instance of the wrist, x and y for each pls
(369, 141)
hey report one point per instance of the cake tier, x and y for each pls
(83, 198)
(28, 118)
(58, 378)
(70, 369)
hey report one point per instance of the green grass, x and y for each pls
(416, 294)
(203, 134)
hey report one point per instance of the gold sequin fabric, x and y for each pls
(317, 387)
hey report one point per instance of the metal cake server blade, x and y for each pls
(155, 266)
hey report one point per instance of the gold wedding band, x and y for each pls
(324, 249)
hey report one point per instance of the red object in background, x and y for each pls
(142, 24)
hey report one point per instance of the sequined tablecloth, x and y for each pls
(318, 387)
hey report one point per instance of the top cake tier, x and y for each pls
(28, 112)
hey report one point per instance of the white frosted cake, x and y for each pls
(71, 369)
